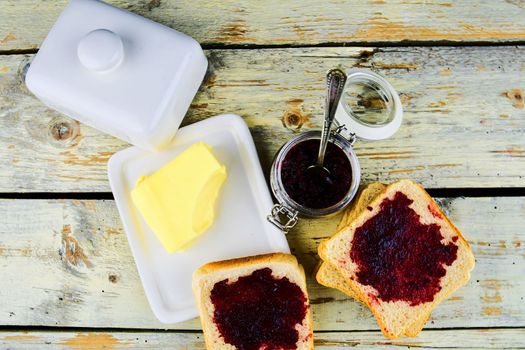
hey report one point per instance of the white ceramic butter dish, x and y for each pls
(118, 72)
(240, 228)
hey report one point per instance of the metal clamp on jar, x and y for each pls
(309, 182)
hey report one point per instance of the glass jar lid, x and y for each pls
(370, 107)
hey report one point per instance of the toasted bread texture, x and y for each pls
(364, 199)
(329, 276)
(396, 317)
(281, 265)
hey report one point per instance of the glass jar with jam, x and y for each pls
(369, 109)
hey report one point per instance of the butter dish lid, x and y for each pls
(370, 107)
(118, 72)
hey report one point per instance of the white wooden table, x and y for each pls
(67, 278)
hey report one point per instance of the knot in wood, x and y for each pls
(294, 119)
(516, 98)
(71, 252)
(63, 131)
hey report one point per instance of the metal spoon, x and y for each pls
(335, 82)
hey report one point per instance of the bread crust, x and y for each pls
(282, 265)
(462, 265)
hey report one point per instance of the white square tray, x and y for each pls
(240, 228)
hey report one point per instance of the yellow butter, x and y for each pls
(178, 201)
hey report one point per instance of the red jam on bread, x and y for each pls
(399, 256)
(259, 311)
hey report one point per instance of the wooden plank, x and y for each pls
(24, 24)
(432, 339)
(463, 123)
(70, 261)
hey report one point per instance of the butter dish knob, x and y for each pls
(100, 50)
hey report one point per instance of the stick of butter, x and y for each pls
(178, 200)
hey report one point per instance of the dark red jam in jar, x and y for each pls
(402, 258)
(259, 311)
(316, 189)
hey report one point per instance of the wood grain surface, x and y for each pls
(447, 339)
(67, 263)
(25, 23)
(464, 120)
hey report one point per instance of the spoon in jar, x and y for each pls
(335, 82)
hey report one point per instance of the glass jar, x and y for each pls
(370, 109)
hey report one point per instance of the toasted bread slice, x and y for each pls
(329, 276)
(284, 268)
(395, 315)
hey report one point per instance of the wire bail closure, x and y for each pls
(343, 131)
(291, 215)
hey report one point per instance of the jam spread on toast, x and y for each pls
(316, 189)
(398, 255)
(259, 311)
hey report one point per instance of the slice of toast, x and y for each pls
(247, 277)
(395, 315)
(329, 276)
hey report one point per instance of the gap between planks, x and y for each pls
(443, 339)
(363, 44)
(434, 192)
(308, 22)
(15, 328)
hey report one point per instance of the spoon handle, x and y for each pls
(335, 82)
